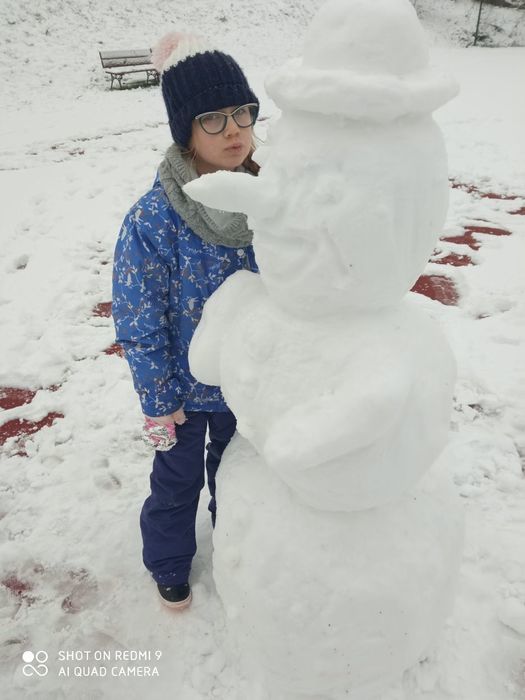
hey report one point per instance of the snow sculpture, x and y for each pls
(338, 537)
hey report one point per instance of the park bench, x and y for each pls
(120, 63)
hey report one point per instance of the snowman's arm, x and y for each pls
(230, 191)
(219, 310)
(351, 418)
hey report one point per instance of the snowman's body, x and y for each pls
(331, 605)
(337, 542)
(297, 388)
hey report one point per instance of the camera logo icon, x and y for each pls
(40, 668)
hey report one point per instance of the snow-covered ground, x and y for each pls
(453, 22)
(73, 158)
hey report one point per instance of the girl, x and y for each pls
(172, 254)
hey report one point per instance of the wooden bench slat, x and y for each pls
(137, 61)
(125, 53)
(130, 69)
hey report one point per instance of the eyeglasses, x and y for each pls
(215, 122)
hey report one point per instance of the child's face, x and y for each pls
(223, 151)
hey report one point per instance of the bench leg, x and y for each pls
(153, 76)
(118, 78)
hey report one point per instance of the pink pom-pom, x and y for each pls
(164, 48)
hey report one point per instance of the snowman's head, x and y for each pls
(355, 213)
(355, 226)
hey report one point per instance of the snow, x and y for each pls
(297, 389)
(74, 157)
(349, 400)
(357, 615)
(486, 148)
(453, 22)
(373, 67)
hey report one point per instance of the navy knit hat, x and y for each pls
(196, 79)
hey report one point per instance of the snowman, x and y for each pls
(339, 534)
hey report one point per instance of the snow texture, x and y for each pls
(350, 410)
(343, 386)
(328, 605)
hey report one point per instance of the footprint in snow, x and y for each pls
(37, 585)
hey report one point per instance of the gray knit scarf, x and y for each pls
(212, 225)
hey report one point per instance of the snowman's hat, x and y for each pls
(363, 59)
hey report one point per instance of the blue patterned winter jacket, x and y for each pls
(163, 273)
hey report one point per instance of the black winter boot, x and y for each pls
(176, 597)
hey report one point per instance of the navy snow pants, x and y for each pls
(167, 520)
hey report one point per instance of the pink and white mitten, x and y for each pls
(160, 437)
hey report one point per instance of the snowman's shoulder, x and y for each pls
(243, 281)
(237, 291)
